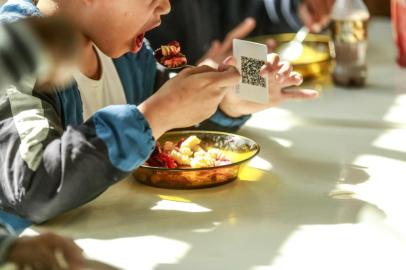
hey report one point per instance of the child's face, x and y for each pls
(118, 26)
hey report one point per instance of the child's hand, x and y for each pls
(188, 99)
(281, 76)
(46, 251)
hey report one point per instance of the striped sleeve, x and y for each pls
(283, 12)
(46, 171)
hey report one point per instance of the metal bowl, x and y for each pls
(238, 148)
(317, 56)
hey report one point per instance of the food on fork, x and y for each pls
(170, 55)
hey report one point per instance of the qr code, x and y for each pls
(250, 68)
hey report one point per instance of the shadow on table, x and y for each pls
(253, 216)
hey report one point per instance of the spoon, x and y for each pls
(293, 50)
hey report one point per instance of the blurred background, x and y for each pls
(376, 7)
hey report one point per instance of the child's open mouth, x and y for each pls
(137, 45)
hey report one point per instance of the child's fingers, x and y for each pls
(286, 69)
(226, 78)
(299, 94)
(268, 68)
(196, 70)
(294, 78)
(281, 72)
(274, 60)
(272, 65)
(229, 61)
(292, 81)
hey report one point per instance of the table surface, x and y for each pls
(326, 191)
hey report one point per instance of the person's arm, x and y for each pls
(234, 110)
(315, 14)
(47, 171)
(131, 75)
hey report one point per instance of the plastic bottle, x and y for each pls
(350, 32)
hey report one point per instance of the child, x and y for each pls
(53, 161)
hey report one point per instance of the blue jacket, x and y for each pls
(51, 160)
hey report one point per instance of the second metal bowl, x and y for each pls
(317, 55)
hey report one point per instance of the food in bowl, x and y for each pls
(186, 153)
(234, 151)
(170, 55)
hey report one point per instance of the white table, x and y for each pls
(326, 192)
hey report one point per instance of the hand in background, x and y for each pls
(281, 76)
(46, 252)
(316, 14)
(219, 51)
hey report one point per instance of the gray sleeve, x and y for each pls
(7, 238)
(48, 171)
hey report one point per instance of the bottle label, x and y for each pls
(350, 31)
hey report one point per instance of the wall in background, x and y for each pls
(378, 7)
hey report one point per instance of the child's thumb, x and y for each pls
(229, 61)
